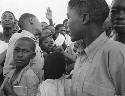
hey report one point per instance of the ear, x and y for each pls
(85, 18)
(31, 20)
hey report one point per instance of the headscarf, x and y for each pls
(37, 61)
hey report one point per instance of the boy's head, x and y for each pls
(24, 50)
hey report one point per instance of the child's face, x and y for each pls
(48, 43)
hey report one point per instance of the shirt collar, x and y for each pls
(29, 34)
(95, 45)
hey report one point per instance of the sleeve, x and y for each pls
(31, 81)
(9, 54)
(117, 70)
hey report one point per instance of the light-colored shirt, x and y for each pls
(101, 70)
(26, 79)
(38, 61)
(55, 87)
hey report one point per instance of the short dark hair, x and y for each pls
(98, 10)
(22, 19)
(58, 26)
(54, 66)
(30, 40)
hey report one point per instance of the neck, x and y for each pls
(30, 30)
(6, 34)
(121, 38)
(6, 39)
(92, 33)
(18, 69)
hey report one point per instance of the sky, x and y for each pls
(38, 8)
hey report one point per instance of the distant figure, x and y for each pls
(8, 21)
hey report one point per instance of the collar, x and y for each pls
(96, 45)
(29, 34)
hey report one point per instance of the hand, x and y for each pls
(49, 13)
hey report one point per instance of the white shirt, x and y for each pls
(3, 46)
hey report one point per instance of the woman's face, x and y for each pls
(7, 19)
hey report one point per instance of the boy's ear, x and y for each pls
(85, 18)
(31, 20)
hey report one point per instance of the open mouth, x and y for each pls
(50, 46)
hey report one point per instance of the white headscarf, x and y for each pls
(38, 61)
